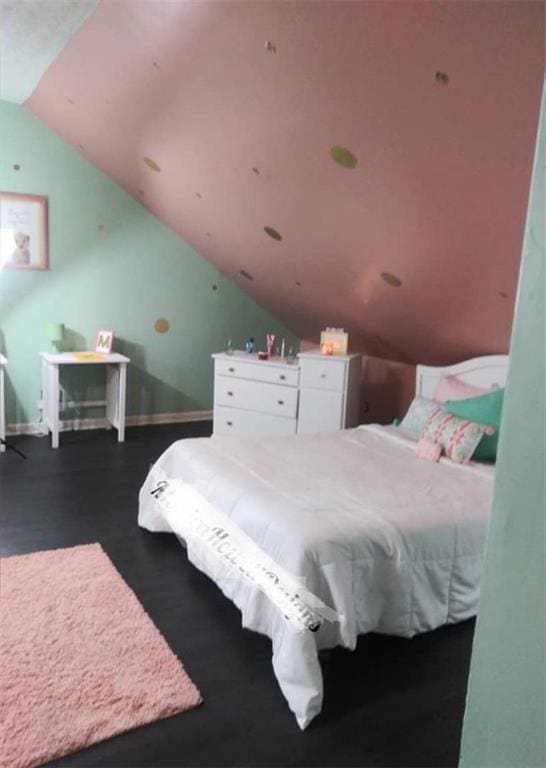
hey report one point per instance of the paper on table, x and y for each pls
(88, 356)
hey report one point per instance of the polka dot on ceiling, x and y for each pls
(246, 274)
(152, 165)
(272, 233)
(344, 157)
(16, 167)
(503, 294)
(256, 171)
(391, 279)
(442, 77)
(162, 325)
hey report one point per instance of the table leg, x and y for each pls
(122, 387)
(53, 403)
(116, 378)
(2, 410)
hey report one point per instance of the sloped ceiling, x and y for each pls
(221, 117)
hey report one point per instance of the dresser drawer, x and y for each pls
(256, 396)
(234, 421)
(321, 410)
(262, 371)
(323, 374)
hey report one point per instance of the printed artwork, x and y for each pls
(23, 231)
(103, 342)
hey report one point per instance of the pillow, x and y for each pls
(452, 388)
(428, 451)
(485, 409)
(458, 437)
(417, 414)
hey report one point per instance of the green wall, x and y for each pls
(112, 265)
(505, 719)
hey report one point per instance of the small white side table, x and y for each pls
(116, 378)
(3, 363)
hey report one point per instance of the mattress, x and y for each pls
(389, 542)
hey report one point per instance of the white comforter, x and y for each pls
(393, 543)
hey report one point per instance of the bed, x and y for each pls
(388, 542)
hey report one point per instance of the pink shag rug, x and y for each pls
(80, 660)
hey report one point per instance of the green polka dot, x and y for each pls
(343, 157)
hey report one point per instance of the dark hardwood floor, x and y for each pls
(392, 702)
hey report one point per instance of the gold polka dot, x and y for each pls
(272, 233)
(152, 164)
(391, 279)
(343, 157)
(162, 325)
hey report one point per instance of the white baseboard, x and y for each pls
(180, 417)
(137, 420)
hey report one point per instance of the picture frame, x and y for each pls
(104, 341)
(23, 231)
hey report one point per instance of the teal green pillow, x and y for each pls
(485, 409)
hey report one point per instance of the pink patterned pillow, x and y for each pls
(428, 451)
(452, 388)
(457, 437)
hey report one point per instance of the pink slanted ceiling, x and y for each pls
(222, 119)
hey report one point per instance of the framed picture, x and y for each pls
(23, 231)
(103, 342)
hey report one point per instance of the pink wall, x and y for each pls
(438, 195)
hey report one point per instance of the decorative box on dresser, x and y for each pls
(254, 397)
(329, 392)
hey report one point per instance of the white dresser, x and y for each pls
(329, 392)
(254, 397)
(273, 397)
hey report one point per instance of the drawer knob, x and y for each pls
(229, 423)
(280, 402)
(231, 370)
(230, 394)
(282, 377)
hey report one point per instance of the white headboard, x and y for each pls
(489, 372)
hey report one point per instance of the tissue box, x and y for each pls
(334, 341)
